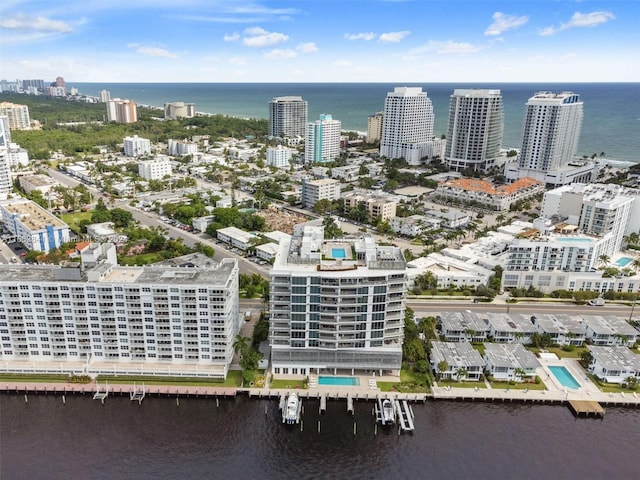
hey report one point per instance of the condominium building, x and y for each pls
(379, 207)
(407, 126)
(486, 194)
(105, 96)
(122, 111)
(279, 157)
(6, 185)
(179, 110)
(314, 190)
(32, 225)
(336, 305)
(597, 209)
(550, 138)
(180, 148)
(287, 116)
(42, 183)
(17, 115)
(136, 146)
(155, 169)
(322, 140)
(374, 127)
(551, 132)
(476, 125)
(101, 318)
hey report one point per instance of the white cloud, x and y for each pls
(342, 63)
(502, 23)
(257, 37)
(280, 54)
(237, 61)
(308, 47)
(448, 46)
(38, 24)
(578, 19)
(235, 36)
(151, 51)
(360, 36)
(393, 37)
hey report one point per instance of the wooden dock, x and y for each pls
(586, 408)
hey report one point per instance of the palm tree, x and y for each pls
(519, 373)
(240, 345)
(604, 259)
(443, 366)
(635, 263)
(461, 373)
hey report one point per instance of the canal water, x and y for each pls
(243, 438)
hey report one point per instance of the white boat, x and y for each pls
(291, 411)
(388, 412)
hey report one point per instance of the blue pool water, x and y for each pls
(338, 253)
(564, 377)
(623, 261)
(574, 239)
(341, 381)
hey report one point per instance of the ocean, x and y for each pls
(611, 110)
(245, 439)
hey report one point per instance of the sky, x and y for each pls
(320, 40)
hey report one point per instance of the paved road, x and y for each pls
(149, 219)
(423, 307)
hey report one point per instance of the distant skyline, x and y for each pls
(320, 41)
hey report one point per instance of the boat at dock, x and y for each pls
(385, 411)
(291, 409)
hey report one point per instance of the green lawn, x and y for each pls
(234, 379)
(610, 387)
(562, 353)
(517, 386)
(461, 384)
(142, 259)
(34, 378)
(73, 219)
(298, 384)
(410, 382)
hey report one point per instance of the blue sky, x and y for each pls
(320, 40)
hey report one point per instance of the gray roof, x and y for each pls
(462, 321)
(456, 354)
(510, 355)
(615, 358)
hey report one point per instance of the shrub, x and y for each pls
(568, 348)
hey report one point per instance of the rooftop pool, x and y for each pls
(623, 261)
(338, 253)
(339, 381)
(564, 377)
(574, 239)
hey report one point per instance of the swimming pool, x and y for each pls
(574, 239)
(339, 381)
(564, 377)
(338, 253)
(623, 261)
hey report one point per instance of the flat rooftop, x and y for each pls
(32, 215)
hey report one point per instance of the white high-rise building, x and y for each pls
(287, 116)
(407, 127)
(136, 146)
(5, 162)
(105, 96)
(551, 132)
(336, 305)
(107, 319)
(476, 125)
(18, 115)
(322, 140)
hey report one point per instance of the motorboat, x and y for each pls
(291, 411)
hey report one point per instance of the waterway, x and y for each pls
(243, 438)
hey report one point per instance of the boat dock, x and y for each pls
(405, 416)
(101, 395)
(586, 408)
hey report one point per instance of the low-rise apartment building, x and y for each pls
(486, 194)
